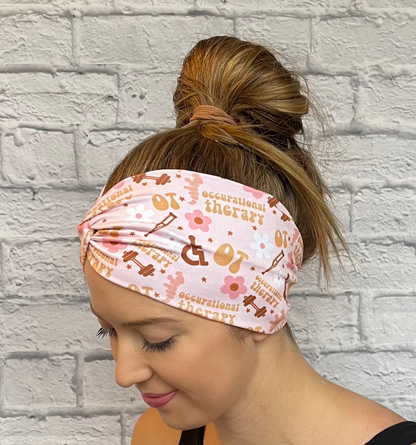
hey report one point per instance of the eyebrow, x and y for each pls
(145, 321)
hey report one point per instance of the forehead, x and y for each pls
(116, 304)
(106, 293)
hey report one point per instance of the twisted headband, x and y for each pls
(197, 242)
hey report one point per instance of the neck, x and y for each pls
(282, 404)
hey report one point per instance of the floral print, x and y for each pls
(197, 220)
(234, 286)
(256, 193)
(262, 246)
(139, 213)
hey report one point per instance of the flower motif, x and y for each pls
(197, 220)
(114, 246)
(261, 245)
(279, 279)
(139, 213)
(169, 239)
(234, 286)
(256, 193)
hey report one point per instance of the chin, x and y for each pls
(180, 423)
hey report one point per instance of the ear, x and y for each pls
(258, 336)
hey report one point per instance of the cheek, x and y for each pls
(210, 368)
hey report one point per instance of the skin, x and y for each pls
(250, 389)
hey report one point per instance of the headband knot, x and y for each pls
(209, 112)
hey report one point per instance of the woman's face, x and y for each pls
(208, 368)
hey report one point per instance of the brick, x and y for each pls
(284, 34)
(39, 381)
(63, 3)
(394, 319)
(26, 160)
(351, 280)
(371, 158)
(105, 149)
(177, 6)
(130, 421)
(34, 39)
(337, 319)
(341, 207)
(405, 406)
(238, 7)
(384, 267)
(147, 98)
(50, 212)
(379, 374)
(391, 3)
(385, 211)
(308, 278)
(44, 268)
(337, 44)
(100, 387)
(49, 327)
(336, 96)
(61, 97)
(378, 267)
(391, 99)
(128, 39)
(61, 430)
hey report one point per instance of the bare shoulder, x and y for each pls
(151, 430)
(374, 418)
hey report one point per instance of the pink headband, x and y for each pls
(197, 242)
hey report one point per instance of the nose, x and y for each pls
(131, 364)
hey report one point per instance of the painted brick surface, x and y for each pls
(293, 34)
(146, 98)
(104, 149)
(372, 373)
(28, 212)
(338, 43)
(34, 38)
(111, 37)
(101, 389)
(83, 81)
(48, 326)
(62, 97)
(391, 99)
(39, 382)
(74, 430)
(27, 162)
(55, 271)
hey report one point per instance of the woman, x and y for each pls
(213, 219)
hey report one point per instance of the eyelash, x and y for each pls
(150, 347)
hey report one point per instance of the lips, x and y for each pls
(160, 400)
(149, 394)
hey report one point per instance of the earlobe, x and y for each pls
(258, 336)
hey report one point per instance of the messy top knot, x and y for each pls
(266, 100)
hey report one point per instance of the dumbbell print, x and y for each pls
(144, 270)
(159, 180)
(250, 299)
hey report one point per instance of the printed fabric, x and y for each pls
(197, 242)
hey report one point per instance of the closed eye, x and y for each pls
(150, 347)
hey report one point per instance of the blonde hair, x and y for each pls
(267, 101)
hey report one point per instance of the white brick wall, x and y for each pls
(82, 81)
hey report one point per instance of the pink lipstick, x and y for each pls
(158, 401)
